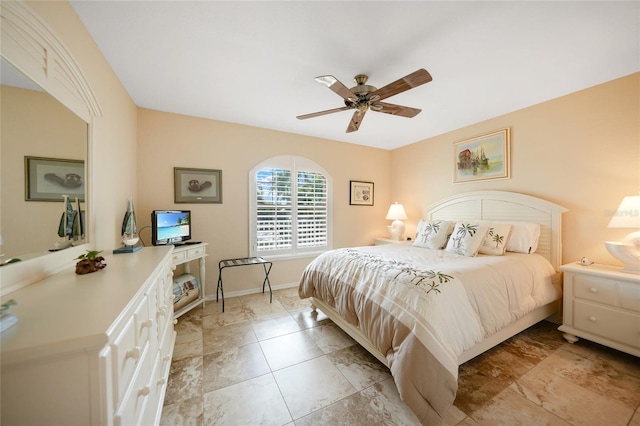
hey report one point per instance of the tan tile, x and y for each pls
(290, 300)
(187, 345)
(599, 372)
(233, 365)
(374, 406)
(289, 349)
(308, 318)
(330, 338)
(269, 326)
(187, 413)
(311, 385)
(511, 409)
(229, 336)
(484, 377)
(635, 420)
(185, 380)
(569, 401)
(252, 402)
(359, 367)
(258, 305)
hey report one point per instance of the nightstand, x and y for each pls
(381, 241)
(601, 304)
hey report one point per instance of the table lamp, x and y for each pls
(628, 250)
(397, 214)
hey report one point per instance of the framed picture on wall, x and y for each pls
(48, 179)
(361, 193)
(197, 185)
(482, 157)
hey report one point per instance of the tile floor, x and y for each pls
(277, 364)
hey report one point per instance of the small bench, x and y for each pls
(244, 261)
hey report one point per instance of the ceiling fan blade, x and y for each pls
(335, 85)
(393, 109)
(356, 119)
(319, 113)
(407, 82)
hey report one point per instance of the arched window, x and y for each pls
(289, 208)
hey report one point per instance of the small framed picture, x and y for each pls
(48, 179)
(361, 193)
(197, 185)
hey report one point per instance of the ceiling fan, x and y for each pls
(363, 97)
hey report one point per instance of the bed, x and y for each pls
(423, 310)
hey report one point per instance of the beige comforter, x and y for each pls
(422, 308)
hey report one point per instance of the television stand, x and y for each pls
(183, 255)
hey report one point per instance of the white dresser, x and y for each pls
(91, 349)
(602, 304)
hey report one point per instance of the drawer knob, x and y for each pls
(166, 358)
(593, 319)
(593, 290)
(175, 321)
(162, 311)
(162, 381)
(144, 391)
(148, 323)
(133, 353)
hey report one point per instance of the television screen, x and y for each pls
(170, 226)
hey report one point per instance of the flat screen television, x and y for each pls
(170, 226)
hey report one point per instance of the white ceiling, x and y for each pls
(254, 63)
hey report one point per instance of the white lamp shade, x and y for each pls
(628, 251)
(628, 213)
(396, 212)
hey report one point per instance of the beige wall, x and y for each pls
(168, 140)
(581, 151)
(33, 124)
(113, 151)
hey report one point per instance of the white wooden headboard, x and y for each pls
(507, 206)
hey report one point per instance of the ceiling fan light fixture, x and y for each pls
(363, 97)
(327, 80)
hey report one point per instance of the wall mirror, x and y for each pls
(36, 125)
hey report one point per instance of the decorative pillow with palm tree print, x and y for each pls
(467, 238)
(495, 242)
(432, 234)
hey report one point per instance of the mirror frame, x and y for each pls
(23, 29)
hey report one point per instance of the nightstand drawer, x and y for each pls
(613, 324)
(597, 290)
(630, 297)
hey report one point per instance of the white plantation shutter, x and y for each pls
(290, 208)
(312, 210)
(274, 209)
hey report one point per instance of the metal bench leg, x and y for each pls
(220, 289)
(266, 280)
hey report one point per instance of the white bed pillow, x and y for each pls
(496, 239)
(467, 237)
(524, 237)
(432, 234)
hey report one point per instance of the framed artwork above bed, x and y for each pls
(482, 157)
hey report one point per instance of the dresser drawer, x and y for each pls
(623, 327)
(196, 251)
(177, 256)
(597, 290)
(132, 405)
(129, 346)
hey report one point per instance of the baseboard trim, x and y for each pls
(228, 295)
